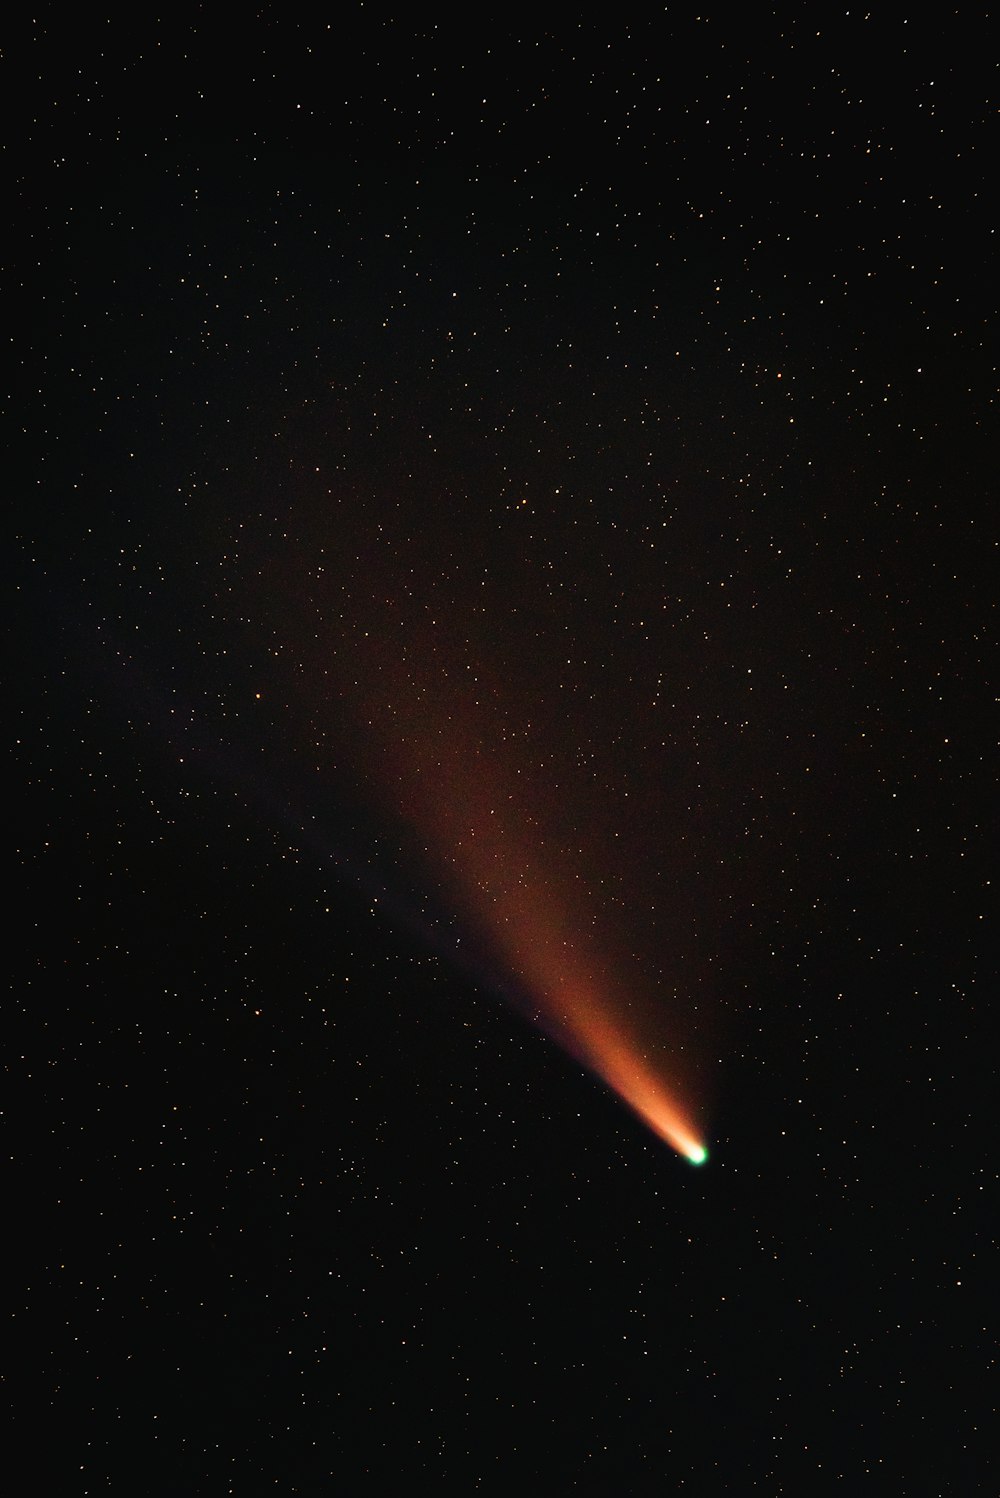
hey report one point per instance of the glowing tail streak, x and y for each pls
(529, 915)
(438, 767)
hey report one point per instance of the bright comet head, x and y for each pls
(697, 1154)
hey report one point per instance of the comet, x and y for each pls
(461, 746)
(493, 842)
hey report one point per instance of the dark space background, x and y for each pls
(645, 366)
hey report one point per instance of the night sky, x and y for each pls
(503, 563)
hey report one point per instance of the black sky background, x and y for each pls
(643, 371)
